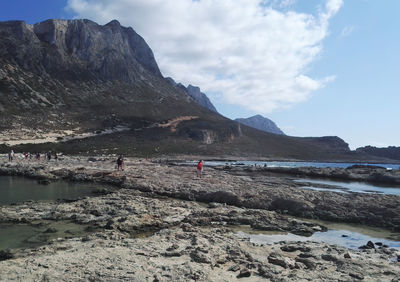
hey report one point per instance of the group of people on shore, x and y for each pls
(27, 156)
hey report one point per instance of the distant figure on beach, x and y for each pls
(120, 162)
(11, 155)
(200, 168)
(55, 156)
(49, 155)
(38, 156)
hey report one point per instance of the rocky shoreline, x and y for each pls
(153, 227)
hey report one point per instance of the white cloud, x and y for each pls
(253, 54)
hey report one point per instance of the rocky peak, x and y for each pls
(73, 47)
(200, 97)
(261, 123)
(195, 93)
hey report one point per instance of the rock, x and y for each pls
(51, 230)
(307, 262)
(244, 273)
(44, 181)
(276, 259)
(6, 254)
(294, 248)
(332, 258)
(234, 268)
(369, 245)
(109, 224)
(347, 256)
(357, 276)
(85, 239)
(200, 256)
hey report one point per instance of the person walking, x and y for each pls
(11, 155)
(200, 168)
(120, 162)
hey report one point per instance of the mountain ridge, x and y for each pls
(77, 76)
(195, 93)
(261, 123)
(391, 152)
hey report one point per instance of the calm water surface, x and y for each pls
(345, 187)
(292, 164)
(14, 236)
(347, 235)
(19, 189)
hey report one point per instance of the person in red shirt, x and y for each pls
(200, 168)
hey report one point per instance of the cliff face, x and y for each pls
(261, 123)
(77, 49)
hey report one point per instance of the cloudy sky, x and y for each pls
(315, 67)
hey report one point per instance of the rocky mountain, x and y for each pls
(195, 93)
(76, 73)
(390, 152)
(261, 123)
(89, 88)
(200, 97)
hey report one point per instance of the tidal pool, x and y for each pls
(19, 189)
(345, 187)
(13, 236)
(346, 235)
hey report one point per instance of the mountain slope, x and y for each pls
(76, 73)
(261, 123)
(75, 77)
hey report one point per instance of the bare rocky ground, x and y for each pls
(151, 232)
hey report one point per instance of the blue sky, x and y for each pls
(350, 72)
